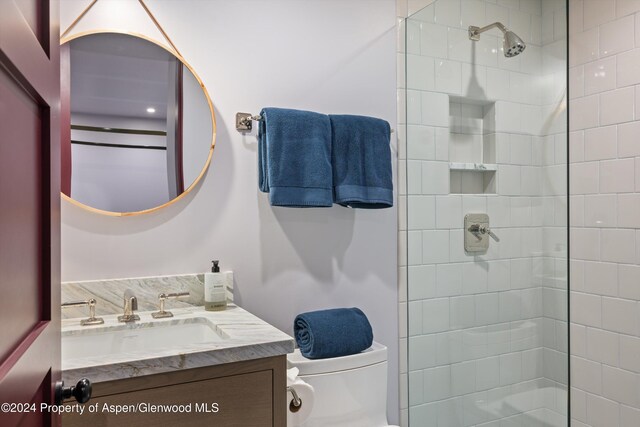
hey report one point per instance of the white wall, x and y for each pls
(333, 56)
(605, 212)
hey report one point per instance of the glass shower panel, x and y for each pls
(486, 139)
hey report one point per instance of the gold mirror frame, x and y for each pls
(175, 53)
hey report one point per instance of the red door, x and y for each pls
(29, 211)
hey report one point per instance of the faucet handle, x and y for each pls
(92, 319)
(161, 313)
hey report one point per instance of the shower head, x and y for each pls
(512, 44)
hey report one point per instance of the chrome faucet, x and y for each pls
(92, 319)
(130, 305)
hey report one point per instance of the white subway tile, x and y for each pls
(618, 245)
(629, 417)
(472, 12)
(487, 308)
(435, 315)
(508, 180)
(499, 276)
(421, 144)
(628, 68)
(617, 176)
(433, 40)
(616, 36)
(474, 277)
(617, 106)
(496, 13)
(576, 82)
(601, 278)
(447, 13)
(576, 24)
(435, 178)
(435, 109)
(462, 312)
(577, 211)
(448, 212)
(627, 7)
(413, 37)
(421, 282)
(620, 315)
(414, 177)
(628, 141)
(420, 73)
(414, 313)
(448, 280)
(603, 346)
(583, 47)
(584, 178)
(629, 283)
(600, 210)
(629, 211)
(435, 246)
(510, 368)
(422, 352)
(448, 76)
(602, 412)
(600, 143)
(421, 212)
(498, 85)
(584, 112)
(620, 386)
(414, 245)
(586, 375)
(586, 309)
(598, 12)
(463, 378)
(637, 177)
(416, 388)
(437, 383)
(474, 80)
(578, 340)
(414, 105)
(600, 76)
(629, 350)
(576, 146)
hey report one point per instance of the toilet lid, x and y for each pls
(375, 354)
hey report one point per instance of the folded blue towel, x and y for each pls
(294, 151)
(361, 160)
(332, 333)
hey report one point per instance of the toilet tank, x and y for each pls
(348, 391)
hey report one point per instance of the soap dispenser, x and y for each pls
(215, 292)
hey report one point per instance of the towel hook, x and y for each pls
(244, 121)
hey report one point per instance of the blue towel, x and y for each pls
(361, 160)
(294, 151)
(332, 333)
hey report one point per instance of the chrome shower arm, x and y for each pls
(474, 32)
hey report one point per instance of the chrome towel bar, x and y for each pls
(244, 121)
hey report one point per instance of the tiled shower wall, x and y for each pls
(485, 328)
(605, 212)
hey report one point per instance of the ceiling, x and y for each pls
(119, 75)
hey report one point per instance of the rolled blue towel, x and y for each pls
(361, 160)
(332, 333)
(294, 152)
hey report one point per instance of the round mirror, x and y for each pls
(142, 124)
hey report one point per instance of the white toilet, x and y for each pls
(348, 391)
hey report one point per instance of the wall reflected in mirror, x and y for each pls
(141, 124)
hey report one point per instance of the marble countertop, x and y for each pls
(245, 337)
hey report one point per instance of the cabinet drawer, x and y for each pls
(242, 400)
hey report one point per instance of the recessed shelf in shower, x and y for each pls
(472, 146)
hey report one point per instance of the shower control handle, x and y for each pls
(478, 229)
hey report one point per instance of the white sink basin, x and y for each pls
(139, 336)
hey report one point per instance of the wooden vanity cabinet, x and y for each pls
(248, 394)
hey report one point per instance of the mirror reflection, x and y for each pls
(141, 124)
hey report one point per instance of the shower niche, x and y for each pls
(472, 146)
